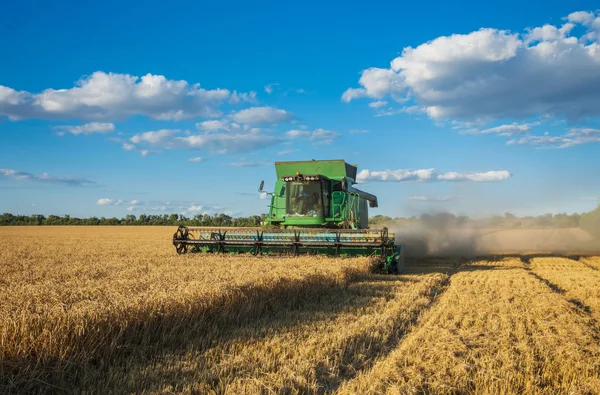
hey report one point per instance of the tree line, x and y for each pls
(590, 221)
(8, 219)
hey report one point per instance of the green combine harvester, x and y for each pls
(315, 209)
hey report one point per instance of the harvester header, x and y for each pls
(314, 209)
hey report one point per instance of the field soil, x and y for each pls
(116, 310)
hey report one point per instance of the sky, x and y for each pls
(116, 108)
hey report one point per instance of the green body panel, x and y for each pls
(345, 208)
(333, 169)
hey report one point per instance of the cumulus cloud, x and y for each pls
(197, 159)
(402, 110)
(396, 175)
(504, 130)
(213, 125)
(237, 98)
(262, 115)
(131, 205)
(376, 83)
(44, 177)
(477, 177)
(115, 96)
(402, 175)
(496, 74)
(242, 140)
(270, 87)
(109, 202)
(88, 128)
(319, 136)
(575, 136)
(377, 104)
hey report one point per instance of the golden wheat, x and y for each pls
(73, 296)
(115, 310)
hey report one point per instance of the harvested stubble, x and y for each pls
(593, 262)
(312, 349)
(73, 299)
(497, 329)
(578, 282)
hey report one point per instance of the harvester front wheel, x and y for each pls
(181, 248)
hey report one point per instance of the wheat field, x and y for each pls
(115, 310)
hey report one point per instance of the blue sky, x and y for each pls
(114, 108)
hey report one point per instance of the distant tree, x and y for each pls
(590, 222)
(379, 219)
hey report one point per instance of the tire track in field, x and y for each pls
(555, 274)
(313, 349)
(404, 327)
(497, 329)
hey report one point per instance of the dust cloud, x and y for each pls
(442, 235)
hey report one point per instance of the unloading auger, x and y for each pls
(314, 209)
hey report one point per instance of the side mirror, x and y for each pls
(262, 185)
(343, 184)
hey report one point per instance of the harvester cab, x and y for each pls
(314, 209)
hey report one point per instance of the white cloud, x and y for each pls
(195, 208)
(262, 115)
(115, 96)
(358, 131)
(270, 87)
(153, 137)
(323, 142)
(318, 135)
(377, 104)
(504, 130)
(402, 110)
(132, 205)
(575, 136)
(395, 175)
(109, 202)
(213, 125)
(429, 175)
(245, 140)
(477, 177)
(298, 134)
(197, 159)
(582, 17)
(376, 83)
(237, 98)
(44, 177)
(88, 128)
(495, 74)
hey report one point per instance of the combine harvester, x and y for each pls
(314, 209)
